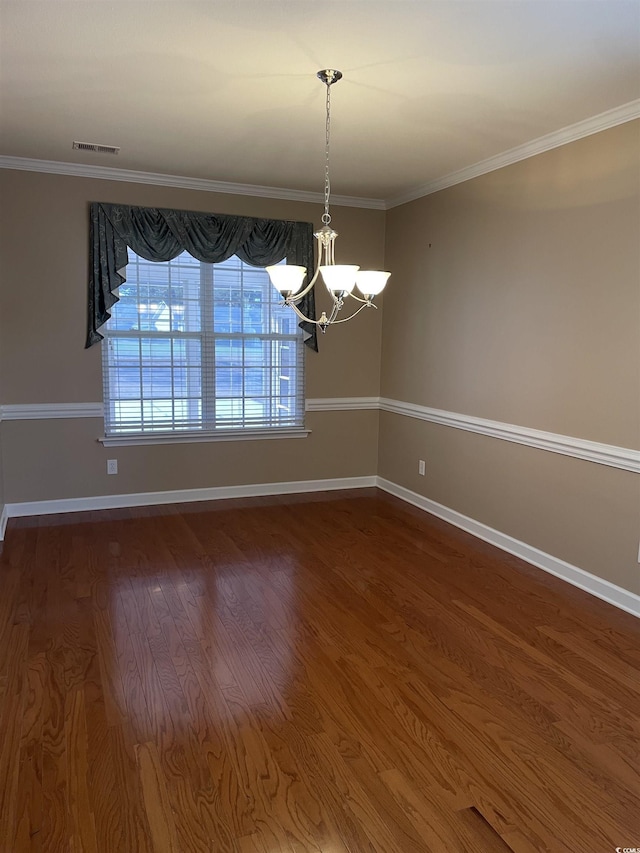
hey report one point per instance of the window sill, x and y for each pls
(193, 437)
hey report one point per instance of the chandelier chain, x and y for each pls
(326, 217)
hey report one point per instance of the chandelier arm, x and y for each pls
(357, 311)
(299, 312)
(337, 305)
(357, 298)
(296, 297)
(331, 321)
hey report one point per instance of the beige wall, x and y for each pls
(62, 459)
(44, 251)
(516, 298)
(581, 512)
(2, 501)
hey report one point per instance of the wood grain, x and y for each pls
(305, 674)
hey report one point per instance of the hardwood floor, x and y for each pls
(323, 673)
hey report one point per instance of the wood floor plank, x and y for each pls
(83, 829)
(614, 675)
(131, 832)
(336, 673)
(12, 704)
(477, 832)
(28, 822)
(156, 800)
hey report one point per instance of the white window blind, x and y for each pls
(201, 347)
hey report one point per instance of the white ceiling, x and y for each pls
(227, 91)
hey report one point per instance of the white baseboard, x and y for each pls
(609, 592)
(619, 597)
(27, 508)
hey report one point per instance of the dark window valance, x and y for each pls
(161, 234)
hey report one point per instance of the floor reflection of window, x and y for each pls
(253, 609)
(229, 623)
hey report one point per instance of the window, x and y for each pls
(201, 348)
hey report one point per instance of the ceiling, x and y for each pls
(227, 91)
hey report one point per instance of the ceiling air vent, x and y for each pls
(93, 146)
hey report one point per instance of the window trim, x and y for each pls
(132, 438)
(197, 434)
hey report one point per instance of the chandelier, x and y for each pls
(339, 279)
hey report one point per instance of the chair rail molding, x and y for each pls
(627, 459)
(591, 451)
(47, 411)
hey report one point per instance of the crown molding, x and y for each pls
(603, 121)
(571, 133)
(109, 173)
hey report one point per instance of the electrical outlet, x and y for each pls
(421, 467)
(112, 466)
